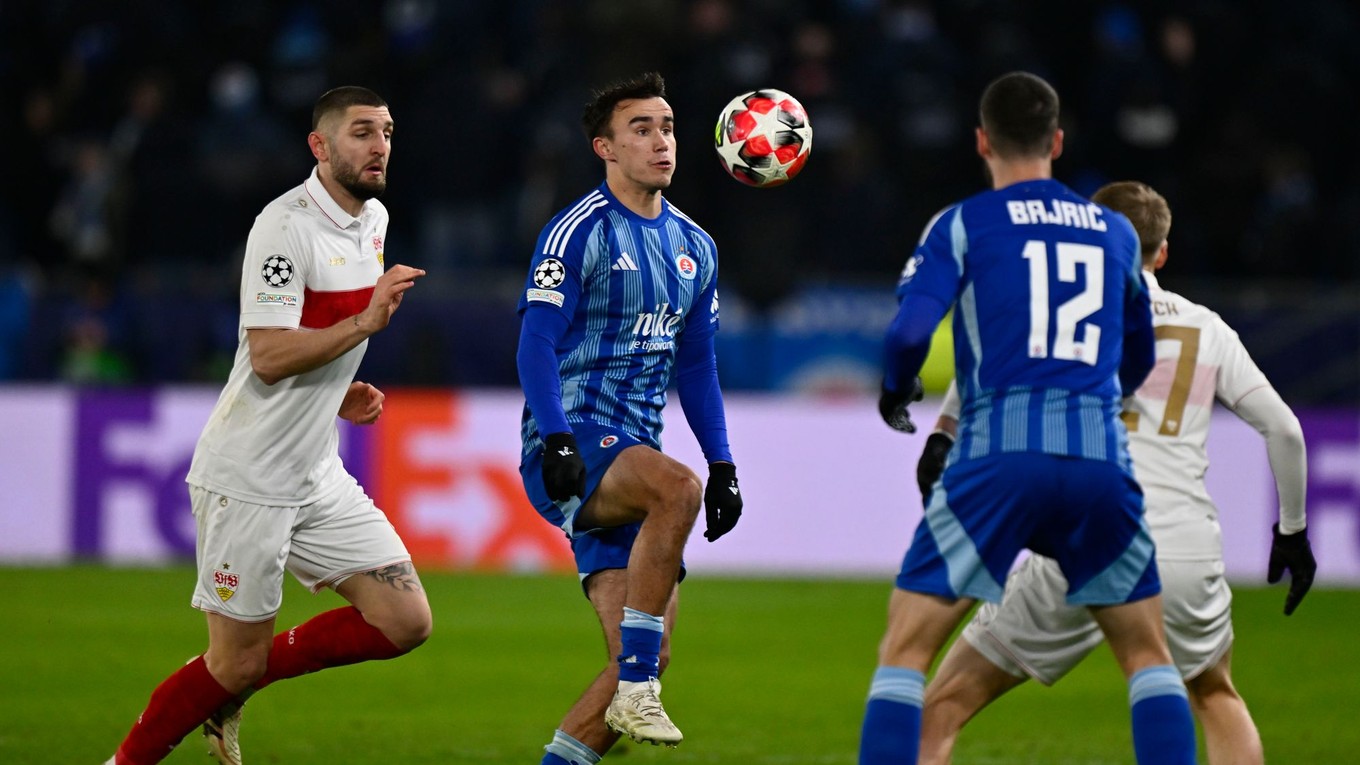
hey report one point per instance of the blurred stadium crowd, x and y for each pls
(147, 134)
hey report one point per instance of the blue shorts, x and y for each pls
(1086, 514)
(597, 549)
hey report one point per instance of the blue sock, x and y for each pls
(892, 721)
(1163, 731)
(641, 646)
(565, 750)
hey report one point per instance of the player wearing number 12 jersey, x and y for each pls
(1033, 633)
(1051, 325)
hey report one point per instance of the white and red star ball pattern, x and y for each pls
(763, 138)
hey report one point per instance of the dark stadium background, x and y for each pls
(144, 136)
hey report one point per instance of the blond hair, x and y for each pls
(1144, 207)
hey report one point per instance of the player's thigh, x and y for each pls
(965, 681)
(608, 591)
(392, 599)
(1033, 631)
(1197, 610)
(1135, 633)
(640, 481)
(918, 626)
(599, 447)
(242, 550)
(341, 535)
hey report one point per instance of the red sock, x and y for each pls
(332, 639)
(178, 705)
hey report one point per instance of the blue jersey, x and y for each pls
(631, 288)
(1045, 286)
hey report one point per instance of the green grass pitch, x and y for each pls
(764, 672)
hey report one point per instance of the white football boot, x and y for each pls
(222, 733)
(636, 712)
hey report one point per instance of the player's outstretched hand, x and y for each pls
(387, 295)
(931, 464)
(564, 472)
(722, 500)
(1292, 552)
(892, 405)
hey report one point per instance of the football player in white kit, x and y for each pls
(1034, 633)
(268, 489)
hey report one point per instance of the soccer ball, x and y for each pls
(763, 137)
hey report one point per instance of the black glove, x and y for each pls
(564, 472)
(722, 500)
(931, 464)
(892, 405)
(1291, 551)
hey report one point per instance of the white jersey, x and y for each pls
(1199, 359)
(308, 264)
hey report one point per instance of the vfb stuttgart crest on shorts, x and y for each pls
(550, 273)
(225, 584)
(277, 271)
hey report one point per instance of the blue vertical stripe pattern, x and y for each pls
(1039, 278)
(1055, 423)
(967, 327)
(632, 287)
(1049, 421)
(1015, 422)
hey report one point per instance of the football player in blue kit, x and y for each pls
(1052, 326)
(621, 296)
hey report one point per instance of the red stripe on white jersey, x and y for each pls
(322, 309)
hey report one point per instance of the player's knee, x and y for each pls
(406, 626)
(411, 629)
(683, 495)
(1211, 688)
(238, 670)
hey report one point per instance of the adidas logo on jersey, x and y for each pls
(624, 263)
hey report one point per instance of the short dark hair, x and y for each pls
(600, 108)
(1019, 111)
(342, 98)
(1144, 207)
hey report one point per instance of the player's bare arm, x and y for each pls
(277, 354)
(362, 404)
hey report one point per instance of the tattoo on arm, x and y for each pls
(401, 576)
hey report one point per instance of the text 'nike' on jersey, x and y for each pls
(630, 287)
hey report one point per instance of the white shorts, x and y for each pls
(1034, 632)
(243, 548)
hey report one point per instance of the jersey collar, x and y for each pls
(326, 204)
(624, 211)
(1151, 280)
